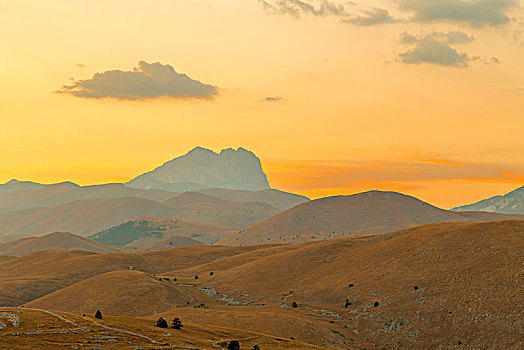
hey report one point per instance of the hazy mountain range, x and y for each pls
(231, 203)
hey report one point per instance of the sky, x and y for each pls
(423, 97)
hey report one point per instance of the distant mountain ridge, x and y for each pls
(510, 203)
(202, 168)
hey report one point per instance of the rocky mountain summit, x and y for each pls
(510, 203)
(202, 168)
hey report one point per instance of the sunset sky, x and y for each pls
(424, 97)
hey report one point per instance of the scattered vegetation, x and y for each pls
(347, 303)
(255, 347)
(161, 323)
(98, 314)
(201, 306)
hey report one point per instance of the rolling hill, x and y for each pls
(67, 192)
(379, 291)
(53, 241)
(510, 203)
(147, 231)
(88, 216)
(360, 214)
(278, 199)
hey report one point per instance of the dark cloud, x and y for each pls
(147, 81)
(273, 99)
(477, 13)
(370, 17)
(435, 49)
(296, 8)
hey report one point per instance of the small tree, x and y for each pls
(161, 322)
(233, 345)
(98, 314)
(177, 323)
(294, 305)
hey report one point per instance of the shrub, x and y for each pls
(255, 347)
(211, 273)
(98, 314)
(161, 322)
(233, 345)
(376, 303)
(294, 305)
(196, 277)
(177, 323)
(347, 303)
(415, 288)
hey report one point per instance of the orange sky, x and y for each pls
(352, 115)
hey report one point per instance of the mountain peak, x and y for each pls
(202, 168)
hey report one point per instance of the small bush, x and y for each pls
(415, 288)
(255, 347)
(376, 303)
(211, 273)
(177, 323)
(294, 305)
(98, 314)
(161, 323)
(233, 345)
(196, 277)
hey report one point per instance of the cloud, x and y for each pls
(435, 49)
(372, 16)
(273, 99)
(296, 8)
(456, 37)
(147, 81)
(477, 13)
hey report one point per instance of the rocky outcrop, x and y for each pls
(202, 168)
(510, 203)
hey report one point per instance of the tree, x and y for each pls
(233, 345)
(98, 314)
(177, 323)
(161, 322)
